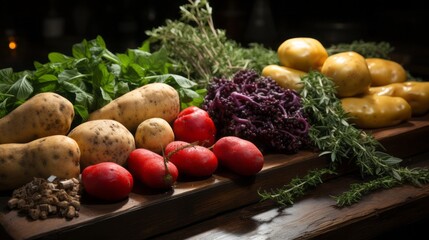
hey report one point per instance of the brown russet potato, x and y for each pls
(42, 115)
(56, 155)
(103, 140)
(151, 100)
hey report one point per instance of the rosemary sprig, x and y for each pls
(332, 134)
(297, 187)
(366, 49)
(415, 176)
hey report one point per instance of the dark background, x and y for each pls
(122, 24)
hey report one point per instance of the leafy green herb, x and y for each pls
(202, 51)
(366, 49)
(93, 76)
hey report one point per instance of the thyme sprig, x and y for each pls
(332, 133)
(202, 51)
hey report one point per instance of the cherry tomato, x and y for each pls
(107, 181)
(152, 169)
(194, 124)
(238, 155)
(191, 160)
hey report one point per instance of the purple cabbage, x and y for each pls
(257, 109)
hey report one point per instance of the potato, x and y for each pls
(349, 72)
(151, 100)
(154, 134)
(56, 155)
(285, 77)
(103, 140)
(44, 114)
(384, 71)
(302, 53)
(373, 111)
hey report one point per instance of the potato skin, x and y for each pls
(384, 71)
(151, 100)
(56, 155)
(103, 140)
(349, 72)
(373, 111)
(154, 134)
(44, 114)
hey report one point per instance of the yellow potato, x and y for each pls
(373, 111)
(285, 77)
(154, 134)
(385, 71)
(302, 53)
(349, 72)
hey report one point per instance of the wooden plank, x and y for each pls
(316, 216)
(145, 214)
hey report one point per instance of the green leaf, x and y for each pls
(82, 111)
(79, 50)
(56, 57)
(191, 93)
(388, 159)
(107, 81)
(121, 88)
(145, 46)
(22, 89)
(48, 78)
(124, 59)
(69, 75)
(182, 81)
(100, 42)
(136, 72)
(6, 75)
(81, 96)
(7, 79)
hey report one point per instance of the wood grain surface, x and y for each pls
(316, 215)
(146, 214)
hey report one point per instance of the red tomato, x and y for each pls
(193, 161)
(150, 169)
(107, 181)
(194, 124)
(238, 155)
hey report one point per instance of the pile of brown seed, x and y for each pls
(43, 198)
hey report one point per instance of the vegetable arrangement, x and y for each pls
(92, 77)
(139, 121)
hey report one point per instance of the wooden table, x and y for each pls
(316, 216)
(226, 206)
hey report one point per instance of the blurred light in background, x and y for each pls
(12, 43)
